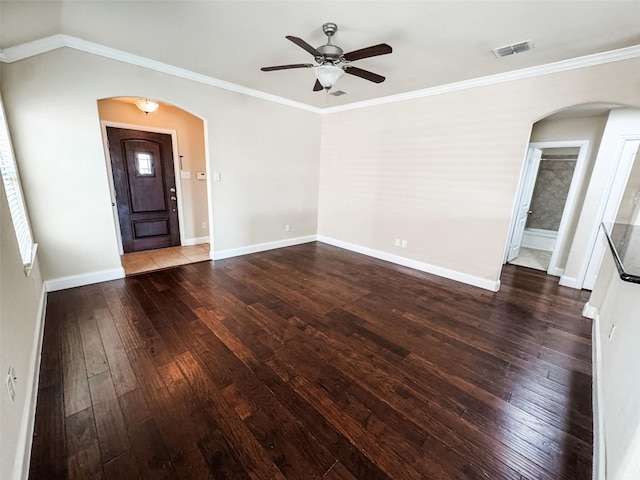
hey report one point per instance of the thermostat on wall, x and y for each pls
(201, 175)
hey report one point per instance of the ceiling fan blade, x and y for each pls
(367, 75)
(302, 44)
(373, 51)
(286, 67)
(317, 87)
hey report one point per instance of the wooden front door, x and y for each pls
(144, 179)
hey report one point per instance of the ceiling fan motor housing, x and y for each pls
(330, 52)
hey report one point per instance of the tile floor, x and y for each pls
(148, 260)
(533, 258)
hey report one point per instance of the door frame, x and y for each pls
(609, 209)
(112, 190)
(577, 181)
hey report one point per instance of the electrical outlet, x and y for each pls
(404, 244)
(397, 242)
(11, 383)
(287, 228)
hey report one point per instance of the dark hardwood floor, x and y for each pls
(314, 362)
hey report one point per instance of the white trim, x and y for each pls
(25, 438)
(589, 311)
(493, 286)
(599, 437)
(43, 45)
(619, 175)
(536, 71)
(72, 281)
(195, 241)
(176, 172)
(539, 239)
(570, 203)
(262, 247)
(555, 271)
(570, 282)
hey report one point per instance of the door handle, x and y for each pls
(529, 212)
(173, 198)
(172, 190)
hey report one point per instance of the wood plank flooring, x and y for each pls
(313, 362)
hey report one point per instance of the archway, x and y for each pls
(601, 131)
(188, 196)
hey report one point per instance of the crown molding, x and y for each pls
(43, 45)
(536, 71)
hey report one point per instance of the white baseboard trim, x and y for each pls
(556, 271)
(262, 247)
(568, 282)
(589, 311)
(493, 286)
(25, 439)
(71, 281)
(539, 239)
(599, 438)
(195, 241)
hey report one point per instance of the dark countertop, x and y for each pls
(624, 241)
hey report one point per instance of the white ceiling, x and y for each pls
(434, 42)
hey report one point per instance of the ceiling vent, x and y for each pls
(338, 93)
(513, 49)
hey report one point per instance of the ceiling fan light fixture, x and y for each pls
(146, 105)
(328, 75)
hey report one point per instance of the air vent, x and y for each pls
(513, 49)
(338, 93)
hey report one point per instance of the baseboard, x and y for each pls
(25, 439)
(262, 247)
(589, 311)
(599, 438)
(539, 239)
(568, 282)
(556, 272)
(195, 241)
(491, 285)
(71, 281)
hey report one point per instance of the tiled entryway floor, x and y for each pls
(149, 260)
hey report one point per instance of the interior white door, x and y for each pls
(524, 205)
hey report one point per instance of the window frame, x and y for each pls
(14, 196)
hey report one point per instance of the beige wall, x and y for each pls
(618, 305)
(588, 128)
(190, 138)
(630, 203)
(442, 171)
(20, 314)
(267, 154)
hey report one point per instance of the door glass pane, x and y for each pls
(144, 164)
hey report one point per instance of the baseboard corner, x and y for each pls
(62, 283)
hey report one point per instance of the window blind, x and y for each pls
(14, 192)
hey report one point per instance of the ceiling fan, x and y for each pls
(332, 62)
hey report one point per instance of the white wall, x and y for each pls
(620, 122)
(21, 304)
(268, 156)
(617, 304)
(442, 171)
